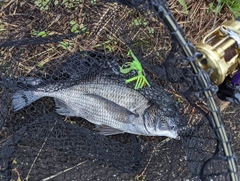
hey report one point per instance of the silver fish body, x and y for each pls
(112, 107)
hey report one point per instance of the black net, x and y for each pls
(50, 50)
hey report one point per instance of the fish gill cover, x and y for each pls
(48, 49)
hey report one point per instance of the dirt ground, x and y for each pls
(195, 23)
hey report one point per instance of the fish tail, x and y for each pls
(23, 98)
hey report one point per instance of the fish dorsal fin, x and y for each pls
(114, 107)
(62, 108)
(107, 130)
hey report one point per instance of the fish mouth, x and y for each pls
(172, 127)
(178, 138)
(175, 134)
(169, 128)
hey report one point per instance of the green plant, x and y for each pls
(93, 1)
(140, 21)
(41, 33)
(66, 45)
(71, 3)
(75, 28)
(108, 45)
(233, 5)
(182, 2)
(44, 4)
(150, 30)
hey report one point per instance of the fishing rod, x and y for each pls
(218, 55)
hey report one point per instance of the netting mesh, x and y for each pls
(51, 46)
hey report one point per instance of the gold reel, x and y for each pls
(220, 51)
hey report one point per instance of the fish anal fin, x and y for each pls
(107, 130)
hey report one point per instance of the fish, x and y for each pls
(113, 107)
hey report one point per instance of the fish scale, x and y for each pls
(79, 93)
(125, 97)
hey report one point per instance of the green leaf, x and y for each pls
(39, 65)
(84, 29)
(137, 22)
(93, 1)
(64, 45)
(14, 161)
(109, 48)
(211, 7)
(42, 34)
(236, 6)
(74, 28)
(72, 23)
(56, 2)
(179, 100)
(182, 2)
(150, 30)
(216, 9)
(145, 23)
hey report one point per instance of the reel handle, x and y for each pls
(219, 56)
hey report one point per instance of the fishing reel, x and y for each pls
(219, 56)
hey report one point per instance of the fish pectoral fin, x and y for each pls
(114, 107)
(62, 108)
(107, 130)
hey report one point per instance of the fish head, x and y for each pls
(160, 123)
(165, 126)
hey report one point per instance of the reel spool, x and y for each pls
(220, 50)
